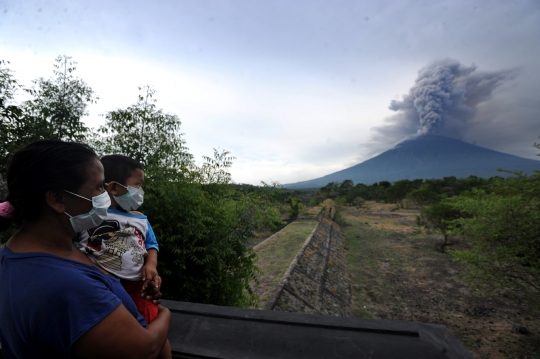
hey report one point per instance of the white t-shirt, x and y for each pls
(119, 244)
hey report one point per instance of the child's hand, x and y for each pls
(152, 293)
(149, 273)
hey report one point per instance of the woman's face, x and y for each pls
(91, 188)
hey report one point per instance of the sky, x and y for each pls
(298, 89)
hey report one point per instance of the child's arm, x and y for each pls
(149, 271)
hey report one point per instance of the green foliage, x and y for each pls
(203, 230)
(54, 112)
(399, 190)
(338, 216)
(345, 187)
(359, 202)
(331, 190)
(439, 216)
(147, 134)
(418, 192)
(424, 195)
(503, 228)
(201, 219)
(9, 114)
(59, 104)
(296, 206)
(8, 87)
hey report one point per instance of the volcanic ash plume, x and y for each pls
(443, 99)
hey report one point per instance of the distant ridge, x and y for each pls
(427, 156)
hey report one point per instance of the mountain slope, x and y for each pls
(427, 156)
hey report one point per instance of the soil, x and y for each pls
(398, 273)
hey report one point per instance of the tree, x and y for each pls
(55, 112)
(439, 216)
(359, 202)
(345, 187)
(503, 229)
(203, 229)
(296, 206)
(145, 133)
(331, 190)
(9, 116)
(424, 195)
(59, 104)
(8, 87)
(201, 221)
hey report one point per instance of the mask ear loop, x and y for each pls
(75, 194)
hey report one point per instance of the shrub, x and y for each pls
(203, 230)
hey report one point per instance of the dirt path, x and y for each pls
(398, 274)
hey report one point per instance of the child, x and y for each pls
(125, 244)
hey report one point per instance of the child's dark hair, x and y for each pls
(119, 168)
(40, 167)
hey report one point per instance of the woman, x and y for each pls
(54, 301)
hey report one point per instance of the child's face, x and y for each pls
(136, 179)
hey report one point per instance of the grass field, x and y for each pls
(397, 273)
(276, 254)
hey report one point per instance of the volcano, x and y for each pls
(427, 157)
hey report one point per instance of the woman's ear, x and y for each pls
(55, 200)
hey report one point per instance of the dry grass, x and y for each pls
(275, 254)
(397, 273)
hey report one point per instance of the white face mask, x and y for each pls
(132, 200)
(97, 214)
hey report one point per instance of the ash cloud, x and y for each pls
(445, 98)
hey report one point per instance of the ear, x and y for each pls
(55, 200)
(112, 188)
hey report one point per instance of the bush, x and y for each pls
(359, 202)
(203, 230)
(503, 227)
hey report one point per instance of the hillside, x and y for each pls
(425, 157)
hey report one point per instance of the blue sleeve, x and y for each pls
(69, 308)
(150, 241)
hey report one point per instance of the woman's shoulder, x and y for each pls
(56, 283)
(48, 291)
(45, 270)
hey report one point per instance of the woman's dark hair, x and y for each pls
(40, 167)
(119, 168)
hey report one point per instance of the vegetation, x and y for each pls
(54, 112)
(417, 192)
(202, 231)
(204, 221)
(146, 133)
(439, 216)
(398, 273)
(502, 225)
(200, 218)
(498, 217)
(9, 115)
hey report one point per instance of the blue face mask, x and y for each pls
(132, 200)
(97, 214)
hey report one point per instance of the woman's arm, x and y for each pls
(119, 335)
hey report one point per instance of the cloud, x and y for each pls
(445, 98)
